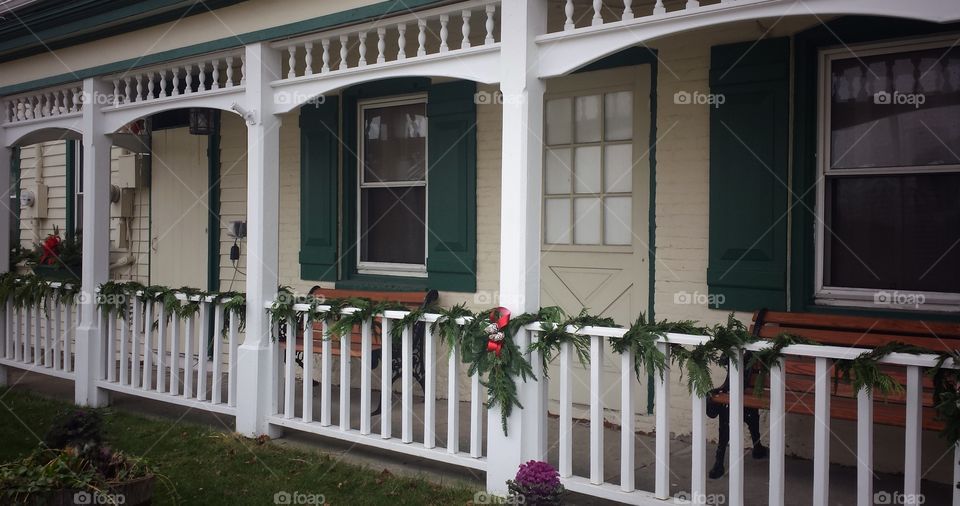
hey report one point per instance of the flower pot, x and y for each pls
(58, 272)
(130, 493)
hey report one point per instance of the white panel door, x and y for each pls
(596, 203)
(179, 200)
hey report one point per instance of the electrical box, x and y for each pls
(238, 229)
(40, 206)
(123, 207)
(132, 171)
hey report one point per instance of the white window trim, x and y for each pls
(863, 297)
(389, 268)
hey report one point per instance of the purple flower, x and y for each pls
(538, 482)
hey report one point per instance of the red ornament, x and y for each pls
(495, 347)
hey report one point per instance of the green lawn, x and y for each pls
(203, 466)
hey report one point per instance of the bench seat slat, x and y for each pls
(861, 323)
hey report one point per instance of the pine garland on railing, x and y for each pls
(554, 323)
(642, 339)
(864, 372)
(766, 359)
(234, 304)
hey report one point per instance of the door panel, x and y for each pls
(609, 279)
(179, 196)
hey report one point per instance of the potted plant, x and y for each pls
(58, 259)
(536, 483)
(73, 466)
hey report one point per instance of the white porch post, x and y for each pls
(519, 226)
(96, 244)
(263, 209)
(5, 217)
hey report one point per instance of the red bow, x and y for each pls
(500, 316)
(495, 347)
(50, 246)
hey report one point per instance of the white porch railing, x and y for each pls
(222, 71)
(182, 360)
(294, 406)
(448, 29)
(40, 337)
(47, 103)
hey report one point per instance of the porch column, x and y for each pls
(254, 402)
(96, 244)
(520, 226)
(5, 216)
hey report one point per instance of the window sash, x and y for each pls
(852, 296)
(388, 268)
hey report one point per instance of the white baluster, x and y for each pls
(465, 29)
(366, 381)
(308, 58)
(176, 81)
(292, 62)
(453, 401)
(77, 100)
(215, 75)
(63, 102)
(421, 37)
(229, 82)
(597, 18)
(202, 77)
(661, 404)
(381, 44)
(128, 89)
(232, 345)
(139, 80)
(135, 360)
(150, 86)
(401, 41)
(596, 411)
(491, 11)
(204, 345)
(406, 385)
(161, 347)
(307, 370)
(430, 389)
(627, 10)
(164, 84)
(188, 78)
(821, 432)
(217, 373)
(913, 436)
(568, 12)
(21, 110)
(148, 341)
(54, 110)
(243, 69)
(344, 41)
(41, 105)
(116, 93)
(326, 56)
(692, 4)
(326, 375)
(444, 33)
(290, 375)
(345, 377)
(658, 8)
(386, 382)
(778, 434)
(362, 36)
(628, 425)
(736, 433)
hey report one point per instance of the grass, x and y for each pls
(199, 465)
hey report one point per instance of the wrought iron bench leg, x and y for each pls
(751, 417)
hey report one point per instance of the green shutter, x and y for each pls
(319, 169)
(748, 174)
(452, 187)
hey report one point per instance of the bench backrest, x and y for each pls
(858, 332)
(410, 299)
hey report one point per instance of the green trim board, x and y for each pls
(72, 165)
(328, 21)
(213, 205)
(45, 26)
(851, 30)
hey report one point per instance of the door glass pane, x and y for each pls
(618, 116)
(558, 221)
(393, 225)
(895, 110)
(395, 143)
(559, 121)
(558, 171)
(587, 170)
(586, 227)
(588, 118)
(618, 168)
(617, 221)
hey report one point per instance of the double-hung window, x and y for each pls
(392, 189)
(888, 203)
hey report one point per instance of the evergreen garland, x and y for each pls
(234, 304)
(446, 326)
(554, 323)
(724, 343)
(642, 339)
(865, 372)
(766, 359)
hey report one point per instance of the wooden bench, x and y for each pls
(834, 330)
(412, 300)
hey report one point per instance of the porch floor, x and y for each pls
(799, 471)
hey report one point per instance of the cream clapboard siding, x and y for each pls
(233, 197)
(50, 157)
